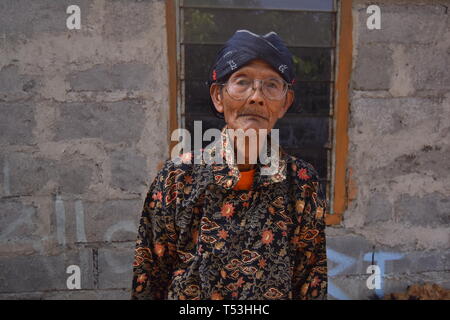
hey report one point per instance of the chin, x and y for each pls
(254, 127)
(253, 124)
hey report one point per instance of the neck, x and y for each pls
(242, 151)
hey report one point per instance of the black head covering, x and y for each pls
(245, 46)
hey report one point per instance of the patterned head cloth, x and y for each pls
(245, 46)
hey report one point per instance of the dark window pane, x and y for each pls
(306, 138)
(199, 59)
(312, 64)
(197, 97)
(311, 98)
(295, 28)
(326, 5)
(303, 132)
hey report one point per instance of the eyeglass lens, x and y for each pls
(242, 87)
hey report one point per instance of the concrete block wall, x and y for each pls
(399, 152)
(83, 127)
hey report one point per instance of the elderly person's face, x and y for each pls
(256, 111)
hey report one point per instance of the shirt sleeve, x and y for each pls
(310, 268)
(155, 248)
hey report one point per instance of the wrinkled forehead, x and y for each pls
(257, 67)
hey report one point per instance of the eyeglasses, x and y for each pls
(240, 88)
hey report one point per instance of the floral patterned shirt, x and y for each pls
(199, 238)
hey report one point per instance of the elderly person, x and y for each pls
(225, 230)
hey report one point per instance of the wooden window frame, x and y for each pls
(340, 181)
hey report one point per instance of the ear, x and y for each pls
(287, 103)
(216, 96)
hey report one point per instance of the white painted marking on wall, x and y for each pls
(117, 266)
(126, 225)
(6, 174)
(60, 220)
(25, 217)
(79, 214)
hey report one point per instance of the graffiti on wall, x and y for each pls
(340, 262)
(343, 262)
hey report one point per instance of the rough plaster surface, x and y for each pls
(399, 150)
(83, 127)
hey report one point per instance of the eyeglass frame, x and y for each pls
(288, 87)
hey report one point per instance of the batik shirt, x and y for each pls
(199, 238)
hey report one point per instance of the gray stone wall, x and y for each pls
(399, 152)
(83, 127)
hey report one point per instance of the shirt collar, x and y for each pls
(227, 174)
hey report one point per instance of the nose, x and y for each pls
(257, 95)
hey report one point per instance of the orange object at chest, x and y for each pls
(246, 180)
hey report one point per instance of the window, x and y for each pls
(309, 29)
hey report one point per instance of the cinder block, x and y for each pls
(31, 17)
(84, 221)
(403, 23)
(115, 294)
(349, 288)
(346, 253)
(393, 259)
(28, 174)
(380, 116)
(115, 267)
(121, 76)
(22, 296)
(421, 261)
(429, 65)
(113, 122)
(40, 273)
(420, 30)
(74, 175)
(112, 220)
(15, 86)
(18, 223)
(130, 19)
(120, 294)
(346, 258)
(128, 170)
(430, 210)
(17, 123)
(378, 208)
(373, 68)
(430, 159)
(4, 175)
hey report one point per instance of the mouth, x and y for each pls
(250, 115)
